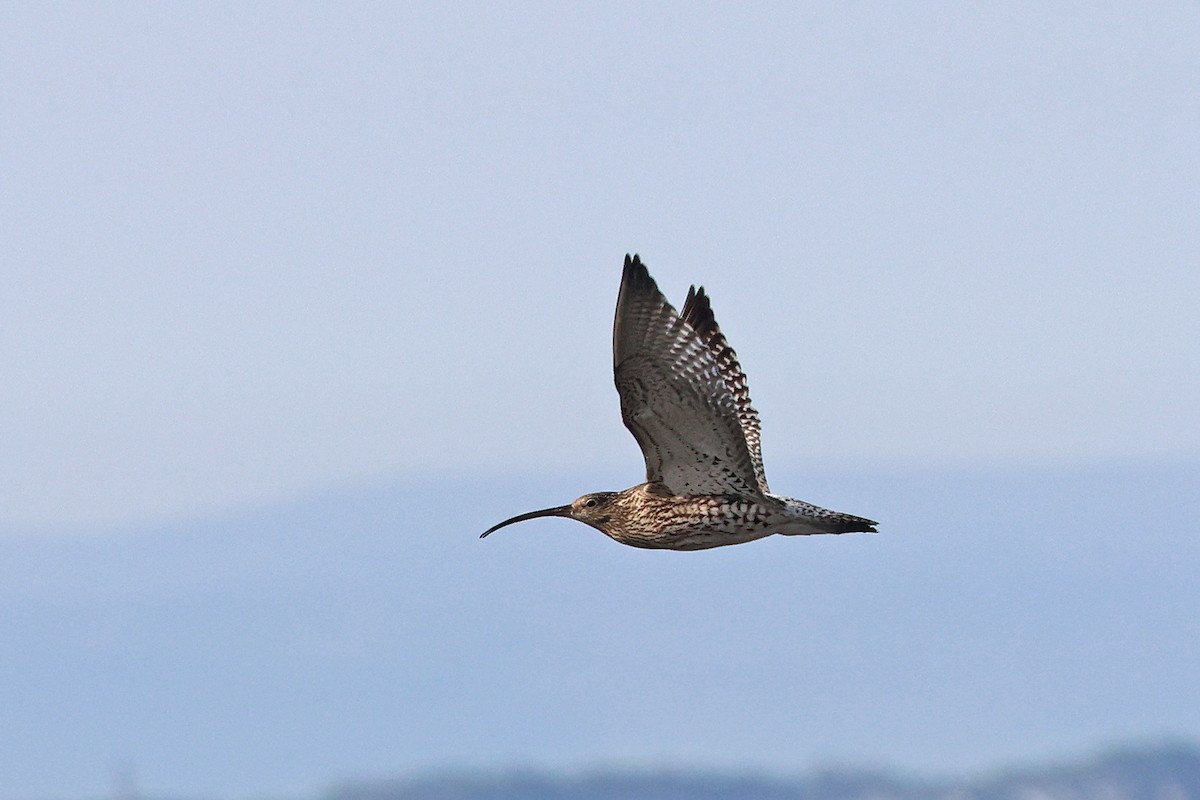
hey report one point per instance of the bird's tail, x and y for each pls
(814, 519)
(847, 523)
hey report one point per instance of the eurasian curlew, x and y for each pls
(685, 399)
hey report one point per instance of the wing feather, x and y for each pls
(675, 398)
(697, 312)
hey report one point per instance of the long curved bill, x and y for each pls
(557, 511)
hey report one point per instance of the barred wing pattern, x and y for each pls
(697, 312)
(675, 397)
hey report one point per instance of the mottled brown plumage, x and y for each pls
(685, 399)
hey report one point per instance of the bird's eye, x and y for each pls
(590, 502)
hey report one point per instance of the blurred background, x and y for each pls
(295, 300)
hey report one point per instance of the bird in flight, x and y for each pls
(685, 399)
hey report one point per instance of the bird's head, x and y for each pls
(595, 509)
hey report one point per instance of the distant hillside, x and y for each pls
(271, 651)
(1160, 773)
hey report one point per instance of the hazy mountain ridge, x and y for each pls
(1002, 614)
(1168, 772)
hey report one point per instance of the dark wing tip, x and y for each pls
(635, 273)
(697, 312)
(635, 282)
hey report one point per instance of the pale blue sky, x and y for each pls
(250, 251)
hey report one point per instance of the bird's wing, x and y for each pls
(674, 396)
(697, 312)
